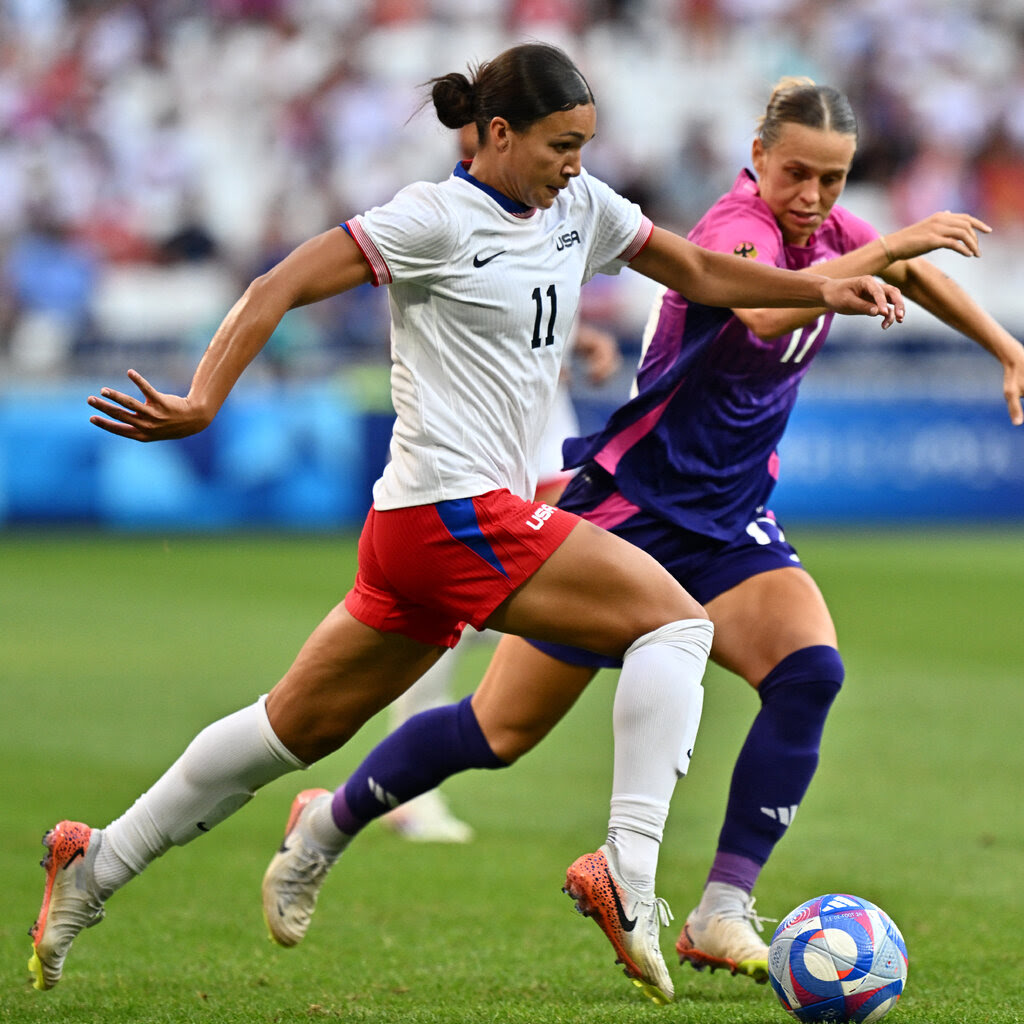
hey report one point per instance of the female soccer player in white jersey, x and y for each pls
(428, 817)
(685, 470)
(484, 272)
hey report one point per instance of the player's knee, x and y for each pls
(677, 607)
(812, 676)
(509, 741)
(693, 633)
(653, 610)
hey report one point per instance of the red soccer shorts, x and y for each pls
(427, 570)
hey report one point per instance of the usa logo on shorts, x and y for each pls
(541, 514)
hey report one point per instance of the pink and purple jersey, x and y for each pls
(697, 444)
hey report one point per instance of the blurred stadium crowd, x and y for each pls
(155, 155)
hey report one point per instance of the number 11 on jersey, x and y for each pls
(538, 298)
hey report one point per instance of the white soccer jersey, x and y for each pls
(482, 296)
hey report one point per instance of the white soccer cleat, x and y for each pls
(427, 818)
(629, 919)
(70, 900)
(728, 939)
(292, 882)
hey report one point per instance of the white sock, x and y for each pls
(319, 828)
(219, 771)
(656, 715)
(636, 856)
(723, 898)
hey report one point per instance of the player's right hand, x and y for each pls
(158, 417)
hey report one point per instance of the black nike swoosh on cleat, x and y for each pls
(627, 924)
(477, 262)
(80, 852)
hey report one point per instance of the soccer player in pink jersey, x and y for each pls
(484, 272)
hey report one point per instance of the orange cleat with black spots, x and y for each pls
(629, 919)
(70, 900)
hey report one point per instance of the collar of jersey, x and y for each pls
(512, 206)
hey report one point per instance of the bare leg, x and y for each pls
(344, 674)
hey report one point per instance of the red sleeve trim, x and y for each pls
(640, 240)
(378, 265)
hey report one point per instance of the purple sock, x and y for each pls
(777, 761)
(415, 758)
(734, 869)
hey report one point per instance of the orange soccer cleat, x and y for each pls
(70, 900)
(630, 920)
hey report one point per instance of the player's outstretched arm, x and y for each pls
(720, 279)
(927, 285)
(886, 256)
(325, 265)
(924, 283)
(1013, 385)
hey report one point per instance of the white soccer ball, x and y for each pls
(837, 958)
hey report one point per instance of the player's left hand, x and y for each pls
(867, 296)
(158, 417)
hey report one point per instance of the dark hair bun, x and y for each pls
(453, 97)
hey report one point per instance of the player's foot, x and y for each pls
(70, 899)
(292, 882)
(630, 920)
(726, 937)
(427, 818)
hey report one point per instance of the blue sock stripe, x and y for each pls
(459, 518)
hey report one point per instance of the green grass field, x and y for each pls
(116, 651)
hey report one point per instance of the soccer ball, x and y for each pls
(837, 958)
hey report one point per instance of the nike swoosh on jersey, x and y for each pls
(477, 262)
